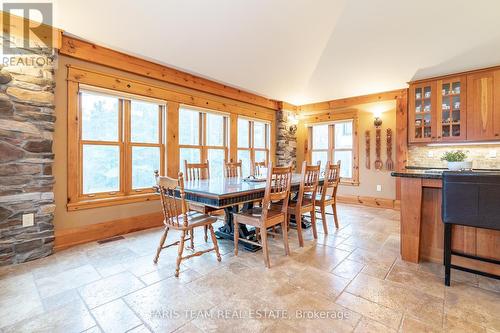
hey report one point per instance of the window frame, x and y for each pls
(251, 140)
(202, 134)
(354, 180)
(126, 193)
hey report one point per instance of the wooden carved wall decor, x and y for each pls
(378, 147)
(389, 164)
(367, 149)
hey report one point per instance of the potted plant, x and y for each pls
(457, 160)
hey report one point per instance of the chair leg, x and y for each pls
(214, 240)
(298, 221)
(160, 246)
(447, 254)
(335, 217)
(191, 236)
(313, 223)
(323, 219)
(265, 250)
(284, 231)
(257, 234)
(236, 232)
(179, 253)
(274, 230)
(206, 233)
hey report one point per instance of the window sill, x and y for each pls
(114, 201)
(349, 183)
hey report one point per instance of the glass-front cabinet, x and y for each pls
(437, 110)
(451, 106)
(422, 112)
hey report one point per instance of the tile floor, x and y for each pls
(349, 280)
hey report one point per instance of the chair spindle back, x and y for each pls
(332, 179)
(174, 209)
(258, 168)
(309, 180)
(278, 184)
(196, 171)
(232, 169)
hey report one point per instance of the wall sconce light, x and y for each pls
(377, 121)
(293, 121)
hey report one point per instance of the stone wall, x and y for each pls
(286, 140)
(27, 119)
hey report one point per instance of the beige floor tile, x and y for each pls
(480, 307)
(372, 310)
(322, 257)
(110, 288)
(422, 281)
(17, 303)
(167, 305)
(398, 297)
(320, 282)
(140, 329)
(115, 316)
(61, 299)
(367, 325)
(488, 284)
(412, 325)
(66, 280)
(348, 269)
(73, 317)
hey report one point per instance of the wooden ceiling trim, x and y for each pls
(351, 101)
(83, 50)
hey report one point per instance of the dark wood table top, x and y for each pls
(224, 192)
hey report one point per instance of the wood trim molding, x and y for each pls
(401, 137)
(452, 75)
(122, 84)
(350, 101)
(70, 237)
(369, 201)
(79, 49)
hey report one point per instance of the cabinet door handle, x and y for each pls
(496, 134)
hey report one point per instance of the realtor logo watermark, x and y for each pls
(26, 33)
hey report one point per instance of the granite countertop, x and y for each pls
(433, 173)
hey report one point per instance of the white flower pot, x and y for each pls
(457, 166)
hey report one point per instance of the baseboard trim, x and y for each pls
(70, 237)
(369, 201)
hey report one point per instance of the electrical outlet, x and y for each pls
(379, 188)
(492, 153)
(28, 220)
(430, 153)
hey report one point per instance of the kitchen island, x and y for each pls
(422, 230)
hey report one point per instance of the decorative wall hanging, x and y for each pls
(378, 146)
(367, 145)
(389, 164)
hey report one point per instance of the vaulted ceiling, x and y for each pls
(299, 51)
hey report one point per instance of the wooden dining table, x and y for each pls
(228, 194)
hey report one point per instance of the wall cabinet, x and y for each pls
(483, 106)
(455, 108)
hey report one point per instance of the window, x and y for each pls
(203, 136)
(120, 144)
(253, 143)
(333, 142)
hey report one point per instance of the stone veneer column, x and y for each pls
(286, 140)
(27, 119)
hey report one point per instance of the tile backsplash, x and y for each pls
(482, 156)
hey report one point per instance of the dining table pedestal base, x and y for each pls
(227, 230)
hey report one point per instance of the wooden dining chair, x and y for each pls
(258, 169)
(232, 169)
(177, 217)
(196, 171)
(328, 194)
(270, 213)
(304, 203)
